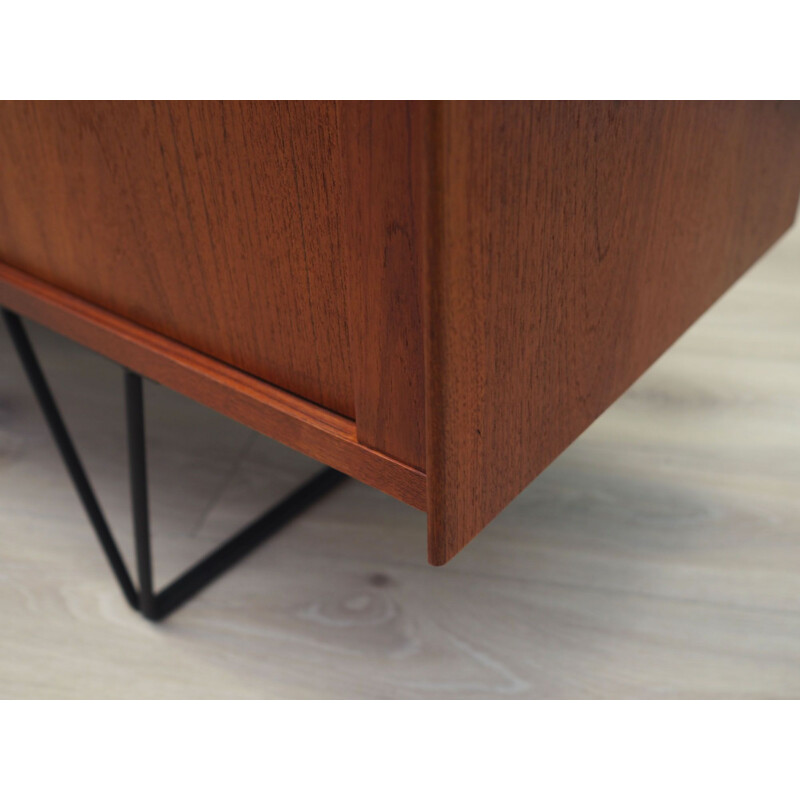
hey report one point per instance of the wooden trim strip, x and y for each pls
(383, 145)
(291, 420)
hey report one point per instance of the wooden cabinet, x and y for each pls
(435, 298)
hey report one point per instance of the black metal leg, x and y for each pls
(152, 605)
(68, 453)
(137, 466)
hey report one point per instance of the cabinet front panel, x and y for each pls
(216, 225)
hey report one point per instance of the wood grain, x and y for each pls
(214, 224)
(571, 244)
(312, 430)
(384, 149)
(436, 298)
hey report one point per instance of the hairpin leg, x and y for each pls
(153, 605)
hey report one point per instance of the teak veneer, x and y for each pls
(433, 297)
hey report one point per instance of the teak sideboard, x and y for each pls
(434, 298)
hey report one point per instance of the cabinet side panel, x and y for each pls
(384, 175)
(573, 244)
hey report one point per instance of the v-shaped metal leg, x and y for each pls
(151, 604)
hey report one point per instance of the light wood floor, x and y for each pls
(658, 557)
